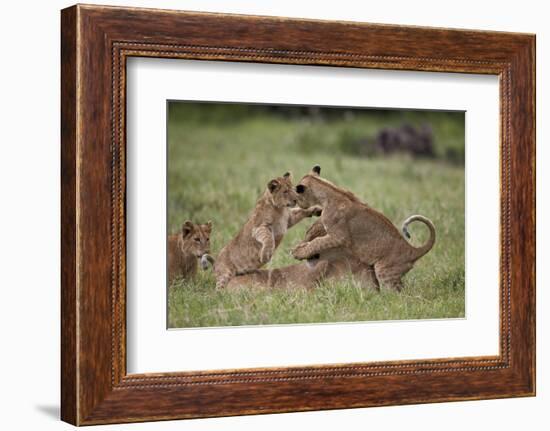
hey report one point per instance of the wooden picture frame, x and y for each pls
(95, 43)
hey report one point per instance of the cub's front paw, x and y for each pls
(300, 252)
(315, 211)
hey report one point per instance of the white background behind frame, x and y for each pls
(153, 348)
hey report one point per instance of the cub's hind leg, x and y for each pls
(367, 278)
(390, 275)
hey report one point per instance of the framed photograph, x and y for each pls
(266, 215)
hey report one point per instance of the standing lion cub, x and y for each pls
(185, 249)
(255, 243)
(365, 232)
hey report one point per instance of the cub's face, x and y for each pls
(282, 191)
(305, 189)
(196, 238)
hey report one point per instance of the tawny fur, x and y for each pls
(186, 248)
(365, 232)
(335, 263)
(301, 275)
(255, 243)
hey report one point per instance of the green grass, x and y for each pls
(217, 170)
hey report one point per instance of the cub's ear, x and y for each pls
(287, 175)
(208, 226)
(187, 228)
(316, 170)
(300, 188)
(273, 185)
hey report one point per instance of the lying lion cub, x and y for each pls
(256, 242)
(185, 249)
(366, 233)
(331, 264)
(305, 275)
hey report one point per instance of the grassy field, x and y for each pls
(218, 169)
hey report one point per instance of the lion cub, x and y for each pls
(365, 232)
(300, 275)
(185, 249)
(256, 242)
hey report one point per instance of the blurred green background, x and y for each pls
(401, 162)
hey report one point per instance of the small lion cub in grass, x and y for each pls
(255, 243)
(186, 248)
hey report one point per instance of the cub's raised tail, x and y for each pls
(423, 249)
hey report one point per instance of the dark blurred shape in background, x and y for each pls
(404, 139)
(407, 139)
